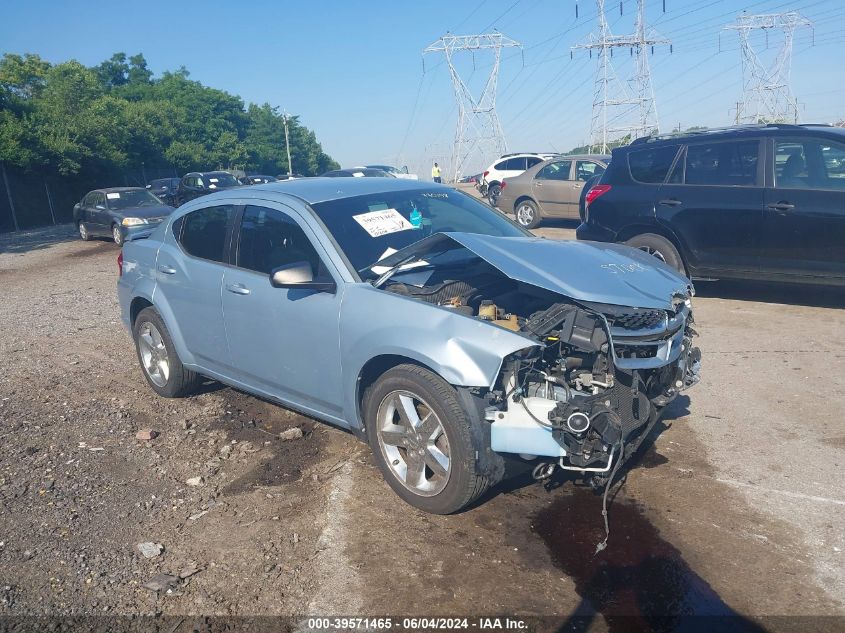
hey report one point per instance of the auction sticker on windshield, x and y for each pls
(112, 196)
(378, 223)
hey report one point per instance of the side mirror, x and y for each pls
(298, 275)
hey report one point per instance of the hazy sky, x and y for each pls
(354, 73)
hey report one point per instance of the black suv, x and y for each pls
(165, 189)
(756, 202)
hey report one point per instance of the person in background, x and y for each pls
(435, 173)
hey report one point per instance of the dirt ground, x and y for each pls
(736, 507)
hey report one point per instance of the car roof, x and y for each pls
(316, 190)
(601, 157)
(117, 189)
(736, 131)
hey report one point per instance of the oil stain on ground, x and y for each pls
(640, 582)
(250, 419)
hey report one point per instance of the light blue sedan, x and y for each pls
(419, 318)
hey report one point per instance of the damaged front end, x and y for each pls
(591, 392)
(586, 393)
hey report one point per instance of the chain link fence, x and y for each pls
(33, 199)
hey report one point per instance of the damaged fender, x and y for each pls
(464, 352)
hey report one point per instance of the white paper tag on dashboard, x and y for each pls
(112, 196)
(385, 222)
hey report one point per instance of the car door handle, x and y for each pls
(782, 207)
(167, 270)
(238, 289)
(671, 202)
(538, 184)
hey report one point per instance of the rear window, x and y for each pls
(651, 165)
(203, 232)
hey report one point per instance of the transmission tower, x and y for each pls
(478, 132)
(622, 108)
(766, 95)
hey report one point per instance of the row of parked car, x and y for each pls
(118, 212)
(747, 202)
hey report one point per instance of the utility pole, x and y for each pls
(618, 110)
(478, 135)
(766, 94)
(287, 142)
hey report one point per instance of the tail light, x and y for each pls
(502, 186)
(595, 192)
(120, 264)
(484, 175)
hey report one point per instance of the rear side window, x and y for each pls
(514, 164)
(204, 232)
(651, 165)
(555, 171)
(812, 164)
(532, 160)
(733, 163)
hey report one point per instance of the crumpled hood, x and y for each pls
(584, 271)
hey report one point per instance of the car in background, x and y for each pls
(118, 213)
(471, 179)
(165, 190)
(357, 172)
(762, 202)
(420, 319)
(395, 171)
(550, 189)
(257, 180)
(201, 183)
(507, 166)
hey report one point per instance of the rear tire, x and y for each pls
(414, 420)
(659, 247)
(493, 193)
(157, 356)
(527, 214)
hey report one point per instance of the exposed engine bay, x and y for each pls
(587, 393)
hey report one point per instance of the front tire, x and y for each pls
(659, 247)
(421, 440)
(527, 214)
(159, 361)
(117, 236)
(83, 232)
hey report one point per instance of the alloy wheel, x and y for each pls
(83, 231)
(654, 253)
(414, 443)
(118, 238)
(524, 214)
(153, 352)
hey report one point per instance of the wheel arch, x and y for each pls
(138, 304)
(372, 370)
(523, 198)
(639, 229)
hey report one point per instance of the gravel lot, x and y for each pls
(738, 507)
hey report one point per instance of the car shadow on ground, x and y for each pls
(35, 239)
(770, 292)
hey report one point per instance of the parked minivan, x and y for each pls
(756, 202)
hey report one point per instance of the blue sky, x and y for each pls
(353, 71)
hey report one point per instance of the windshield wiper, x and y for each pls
(392, 270)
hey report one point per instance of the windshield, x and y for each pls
(367, 228)
(129, 199)
(222, 179)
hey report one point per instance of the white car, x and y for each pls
(507, 166)
(395, 171)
